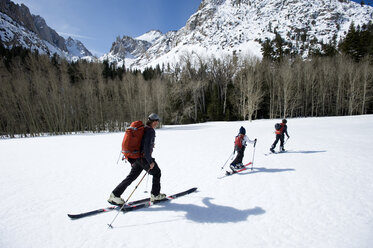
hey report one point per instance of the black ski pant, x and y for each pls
(239, 157)
(137, 167)
(280, 137)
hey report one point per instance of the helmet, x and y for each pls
(242, 130)
(284, 121)
(153, 117)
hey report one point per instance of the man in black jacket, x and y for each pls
(280, 135)
(146, 162)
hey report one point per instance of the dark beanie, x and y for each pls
(242, 130)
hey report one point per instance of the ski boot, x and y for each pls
(239, 166)
(158, 197)
(115, 200)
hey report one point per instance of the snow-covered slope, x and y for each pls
(224, 27)
(76, 48)
(317, 195)
(152, 36)
(127, 49)
(12, 33)
(18, 27)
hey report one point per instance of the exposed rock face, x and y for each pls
(21, 14)
(222, 27)
(18, 27)
(128, 46)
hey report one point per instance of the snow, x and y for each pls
(318, 194)
(10, 31)
(220, 27)
(151, 36)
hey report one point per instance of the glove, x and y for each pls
(255, 140)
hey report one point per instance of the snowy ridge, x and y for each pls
(152, 36)
(224, 27)
(13, 33)
(76, 48)
(127, 49)
(317, 195)
(32, 32)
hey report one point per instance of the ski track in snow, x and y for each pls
(318, 194)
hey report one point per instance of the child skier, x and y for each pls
(280, 131)
(240, 143)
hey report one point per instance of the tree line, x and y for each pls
(43, 94)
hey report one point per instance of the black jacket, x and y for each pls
(147, 143)
(285, 130)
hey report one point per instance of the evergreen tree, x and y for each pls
(358, 42)
(267, 49)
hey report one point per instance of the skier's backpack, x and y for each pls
(132, 140)
(238, 142)
(277, 126)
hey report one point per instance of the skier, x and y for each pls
(146, 162)
(240, 144)
(283, 129)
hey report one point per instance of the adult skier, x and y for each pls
(146, 162)
(240, 143)
(280, 135)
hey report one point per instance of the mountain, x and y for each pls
(226, 27)
(76, 48)
(128, 49)
(18, 27)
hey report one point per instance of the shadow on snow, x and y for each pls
(303, 152)
(263, 170)
(210, 213)
(184, 127)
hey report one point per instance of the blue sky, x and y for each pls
(97, 23)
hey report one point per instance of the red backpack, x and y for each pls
(238, 141)
(132, 140)
(279, 127)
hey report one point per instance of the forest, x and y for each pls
(43, 94)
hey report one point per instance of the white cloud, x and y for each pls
(75, 35)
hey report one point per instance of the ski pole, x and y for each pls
(252, 164)
(287, 139)
(227, 160)
(111, 224)
(146, 188)
(119, 156)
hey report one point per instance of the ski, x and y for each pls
(111, 208)
(94, 212)
(228, 173)
(130, 206)
(267, 154)
(133, 202)
(149, 203)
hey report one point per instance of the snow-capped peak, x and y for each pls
(76, 48)
(152, 36)
(20, 28)
(224, 27)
